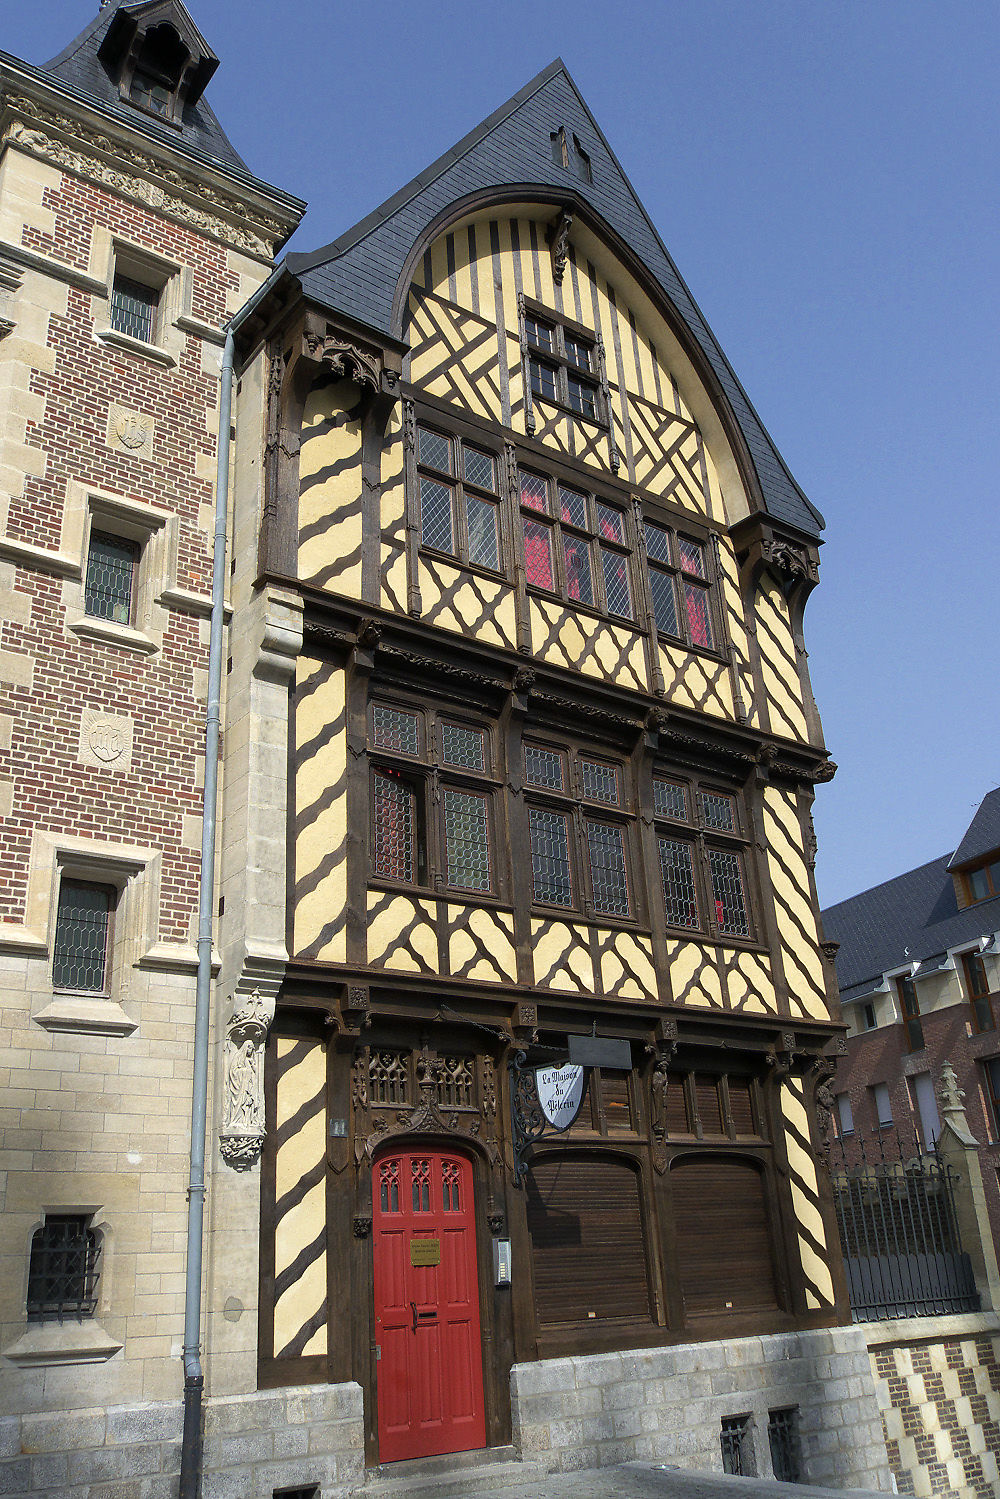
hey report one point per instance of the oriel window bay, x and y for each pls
(459, 498)
(575, 544)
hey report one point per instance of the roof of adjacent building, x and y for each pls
(911, 919)
(79, 68)
(983, 834)
(358, 273)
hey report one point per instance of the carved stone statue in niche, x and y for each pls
(243, 1104)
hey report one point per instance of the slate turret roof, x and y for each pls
(80, 69)
(357, 273)
(913, 918)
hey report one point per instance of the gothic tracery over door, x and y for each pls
(429, 1366)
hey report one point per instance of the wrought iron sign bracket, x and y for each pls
(527, 1122)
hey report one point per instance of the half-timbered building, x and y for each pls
(551, 751)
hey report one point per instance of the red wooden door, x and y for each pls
(430, 1363)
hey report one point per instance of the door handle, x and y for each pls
(425, 1317)
(413, 1309)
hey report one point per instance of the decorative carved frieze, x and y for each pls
(344, 359)
(441, 668)
(784, 557)
(243, 1066)
(117, 164)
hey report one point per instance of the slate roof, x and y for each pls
(358, 272)
(913, 918)
(79, 68)
(983, 834)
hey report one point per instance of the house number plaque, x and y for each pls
(425, 1251)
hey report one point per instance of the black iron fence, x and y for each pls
(895, 1204)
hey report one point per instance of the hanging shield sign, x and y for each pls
(560, 1093)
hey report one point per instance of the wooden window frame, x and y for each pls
(680, 579)
(559, 528)
(991, 1088)
(557, 358)
(913, 1030)
(427, 778)
(990, 870)
(462, 491)
(978, 993)
(582, 811)
(694, 832)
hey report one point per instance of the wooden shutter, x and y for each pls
(584, 1218)
(677, 1114)
(723, 1245)
(741, 1107)
(706, 1092)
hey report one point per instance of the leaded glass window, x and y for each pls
(466, 836)
(552, 878)
(599, 781)
(609, 884)
(580, 549)
(459, 499)
(561, 365)
(110, 581)
(677, 875)
(394, 852)
(680, 585)
(670, 800)
(133, 308)
(395, 729)
(727, 892)
(717, 811)
(462, 746)
(544, 767)
(83, 920)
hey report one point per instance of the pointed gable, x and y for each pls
(513, 151)
(982, 837)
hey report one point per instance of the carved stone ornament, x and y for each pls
(494, 1222)
(560, 246)
(829, 950)
(130, 432)
(524, 679)
(362, 1225)
(85, 156)
(105, 740)
(243, 1118)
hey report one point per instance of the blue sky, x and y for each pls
(824, 175)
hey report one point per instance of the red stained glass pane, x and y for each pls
(538, 554)
(534, 491)
(699, 622)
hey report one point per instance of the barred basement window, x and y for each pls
(578, 853)
(701, 849)
(83, 928)
(459, 498)
(133, 308)
(62, 1270)
(783, 1439)
(680, 583)
(112, 566)
(738, 1454)
(433, 800)
(575, 544)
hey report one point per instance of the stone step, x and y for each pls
(454, 1474)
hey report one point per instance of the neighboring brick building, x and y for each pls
(919, 974)
(129, 231)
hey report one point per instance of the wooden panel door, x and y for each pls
(429, 1367)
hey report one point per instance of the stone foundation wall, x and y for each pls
(667, 1405)
(938, 1384)
(253, 1445)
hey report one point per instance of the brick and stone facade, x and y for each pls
(102, 722)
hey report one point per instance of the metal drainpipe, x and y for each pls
(194, 1379)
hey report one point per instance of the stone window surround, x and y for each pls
(71, 1341)
(158, 533)
(135, 873)
(110, 255)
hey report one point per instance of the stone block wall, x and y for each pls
(668, 1404)
(253, 1444)
(938, 1385)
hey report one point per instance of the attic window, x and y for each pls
(569, 154)
(157, 72)
(157, 58)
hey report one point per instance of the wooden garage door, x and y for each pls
(585, 1220)
(723, 1243)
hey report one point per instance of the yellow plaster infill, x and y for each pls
(694, 979)
(478, 606)
(393, 494)
(805, 1193)
(322, 840)
(779, 669)
(489, 930)
(330, 490)
(627, 970)
(559, 963)
(302, 1224)
(403, 934)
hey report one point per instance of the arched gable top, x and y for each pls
(601, 286)
(360, 273)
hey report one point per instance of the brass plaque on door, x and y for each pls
(425, 1251)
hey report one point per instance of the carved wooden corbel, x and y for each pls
(559, 242)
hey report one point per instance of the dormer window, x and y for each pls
(158, 58)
